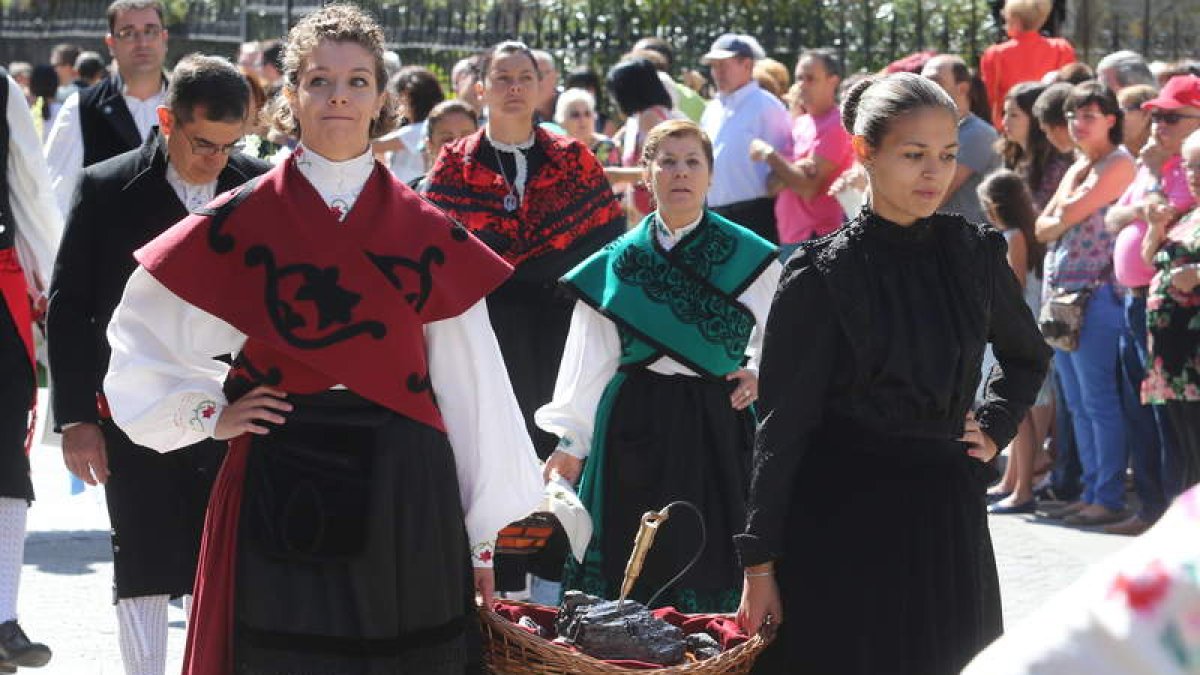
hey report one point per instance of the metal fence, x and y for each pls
(869, 33)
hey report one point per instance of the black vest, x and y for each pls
(8, 224)
(108, 127)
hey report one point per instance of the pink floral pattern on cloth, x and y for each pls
(1136, 612)
(1173, 320)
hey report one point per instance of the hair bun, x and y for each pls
(850, 105)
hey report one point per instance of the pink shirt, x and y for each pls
(1131, 270)
(797, 218)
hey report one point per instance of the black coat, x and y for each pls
(121, 204)
(105, 121)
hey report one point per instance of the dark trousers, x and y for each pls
(756, 215)
(1067, 472)
(1147, 446)
(1184, 418)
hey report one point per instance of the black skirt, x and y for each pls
(674, 438)
(16, 392)
(888, 567)
(352, 551)
(156, 504)
(531, 321)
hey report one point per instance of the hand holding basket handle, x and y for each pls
(761, 610)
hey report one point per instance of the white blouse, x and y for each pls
(162, 375)
(593, 353)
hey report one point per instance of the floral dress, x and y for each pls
(1173, 319)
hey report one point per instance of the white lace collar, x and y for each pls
(338, 183)
(515, 184)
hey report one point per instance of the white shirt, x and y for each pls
(408, 163)
(338, 183)
(162, 376)
(593, 353)
(1135, 612)
(193, 197)
(39, 222)
(64, 143)
(732, 121)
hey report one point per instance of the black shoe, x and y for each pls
(17, 650)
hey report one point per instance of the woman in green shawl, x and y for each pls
(658, 381)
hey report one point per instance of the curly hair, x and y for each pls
(335, 23)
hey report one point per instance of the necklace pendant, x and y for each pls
(510, 202)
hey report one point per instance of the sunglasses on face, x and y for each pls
(1162, 117)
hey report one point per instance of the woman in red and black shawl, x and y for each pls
(542, 202)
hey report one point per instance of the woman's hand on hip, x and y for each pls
(567, 466)
(981, 446)
(760, 601)
(261, 404)
(747, 390)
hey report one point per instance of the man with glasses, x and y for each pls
(156, 502)
(1161, 179)
(117, 114)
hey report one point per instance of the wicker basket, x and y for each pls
(510, 650)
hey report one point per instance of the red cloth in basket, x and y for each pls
(722, 627)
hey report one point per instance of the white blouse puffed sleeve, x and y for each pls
(758, 299)
(163, 384)
(499, 475)
(590, 360)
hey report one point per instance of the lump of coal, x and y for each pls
(702, 645)
(604, 631)
(567, 619)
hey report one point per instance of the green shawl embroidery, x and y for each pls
(680, 303)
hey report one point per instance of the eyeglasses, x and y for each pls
(1088, 117)
(130, 34)
(203, 148)
(576, 114)
(1162, 117)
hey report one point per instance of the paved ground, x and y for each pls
(66, 596)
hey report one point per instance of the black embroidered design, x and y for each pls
(714, 247)
(430, 257)
(333, 303)
(419, 384)
(219, 241)
(720, 321)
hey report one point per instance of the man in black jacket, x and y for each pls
(155, 502)
(116, 115)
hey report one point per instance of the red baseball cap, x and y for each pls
(1181, 90)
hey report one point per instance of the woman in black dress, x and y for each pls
(866, 539)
